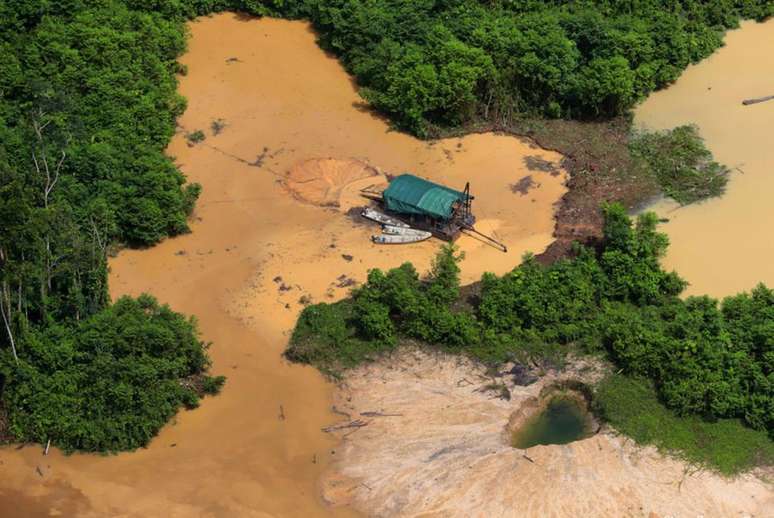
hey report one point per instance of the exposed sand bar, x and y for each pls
(725, 245)
(283, 100)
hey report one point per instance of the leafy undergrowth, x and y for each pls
(632, 407)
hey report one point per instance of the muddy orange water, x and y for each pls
(255, 251)
(726, 244)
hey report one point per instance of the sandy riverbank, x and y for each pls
(254, 252)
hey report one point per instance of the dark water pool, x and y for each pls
(563, 420)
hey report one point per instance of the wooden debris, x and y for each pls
(339, 412)
(357, 423)
(757, 100)
(379, 414)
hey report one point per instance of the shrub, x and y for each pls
(195, 137)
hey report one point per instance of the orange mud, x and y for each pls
(726, 244)
(254, 253)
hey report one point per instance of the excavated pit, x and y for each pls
(561, 418)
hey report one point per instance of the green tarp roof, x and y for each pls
(410, 194)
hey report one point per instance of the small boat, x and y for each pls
(384, 219)
(402, 231)
(400, 239)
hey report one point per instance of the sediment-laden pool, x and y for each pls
(564, 419)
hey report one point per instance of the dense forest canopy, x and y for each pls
(88, 104)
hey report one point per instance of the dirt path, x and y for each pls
(255, 252)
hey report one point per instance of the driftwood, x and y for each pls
(357, 423)
(379, 414)
(48, 445)
(281, 413)
(532, 461)
(339, 412)
(758, 100)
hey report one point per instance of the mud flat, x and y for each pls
(255, 255)
(725, 245)
(436, 442)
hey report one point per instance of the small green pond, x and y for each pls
(565, 419)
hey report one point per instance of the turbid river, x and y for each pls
(725, 245)
(257, 250)
(254, 252)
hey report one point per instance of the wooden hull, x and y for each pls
(402, 231)
(384, 219)
(401, 239)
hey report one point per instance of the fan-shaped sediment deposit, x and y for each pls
(321, 181)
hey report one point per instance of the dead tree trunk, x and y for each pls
(50, 178)
(5, 311)
(758, 100)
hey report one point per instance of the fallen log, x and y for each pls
(339, 412)
(357, 423)
(758, 100)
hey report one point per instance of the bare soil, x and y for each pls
(425, 435)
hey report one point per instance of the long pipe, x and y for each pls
(493, 240)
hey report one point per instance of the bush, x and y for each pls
(447, 63)
(213, 385)
(195, 137)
